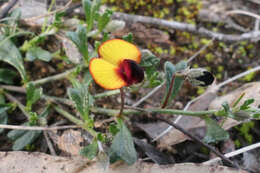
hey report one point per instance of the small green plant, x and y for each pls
(117, 65)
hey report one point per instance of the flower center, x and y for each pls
(130, 72)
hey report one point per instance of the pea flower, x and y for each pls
(117, 65)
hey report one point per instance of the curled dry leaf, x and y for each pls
(14, 162)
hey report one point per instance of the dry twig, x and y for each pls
(187, 27)
(14, 127)
(198, 140)
(4, 12)
(234, 153)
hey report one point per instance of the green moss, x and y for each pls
(220, 68)
(237, 143)
(200, 90)
(244, 130)
(249, 77)
(209, 57)
(218, 75)
(172, 50)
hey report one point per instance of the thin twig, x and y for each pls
(234, 153)
(179, 26)
(15, 127)
(217, 87)
(49, 13)
(19, 104)
(50, 146)
(247, 13)
(4, 12)
(13, 88)
(148, 95)
(199, 141)
(186, 27)
(54, 77)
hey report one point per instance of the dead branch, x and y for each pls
(187, 27)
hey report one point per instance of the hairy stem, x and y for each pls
(19, 104)
(54, 77)
(75, 120)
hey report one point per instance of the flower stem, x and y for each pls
(122, 94)
(169, 92)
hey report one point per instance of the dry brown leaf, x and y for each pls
(17, 162)
(70, 141)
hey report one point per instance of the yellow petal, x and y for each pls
(116, 50)
(105, 74)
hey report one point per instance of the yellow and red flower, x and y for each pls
(117, 65)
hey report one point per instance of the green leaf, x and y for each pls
(27, 138)
(256, 115)
(32, 95)
(113, 129)
(104, 19)
(91, 10)
(150, 63)
(238, 100)
(9, 53)
(171, 70)
(81, 98)
(15, 134)
(128, 37)
(227, 111)
(214, 132)
(3, 115)
(90, 151)
(123, 145)
(79, 38)
(38, 53)
(87, 9)
(7, 76)
(246, 104)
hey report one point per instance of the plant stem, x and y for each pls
(133, 110)
(75, 120)
(122, 94)
(107, 93)
(54, 77)
(169, 92)
(19, 104)
(15, 127)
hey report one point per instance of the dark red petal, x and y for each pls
(131, 72)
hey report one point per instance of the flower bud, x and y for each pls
(199, 77)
